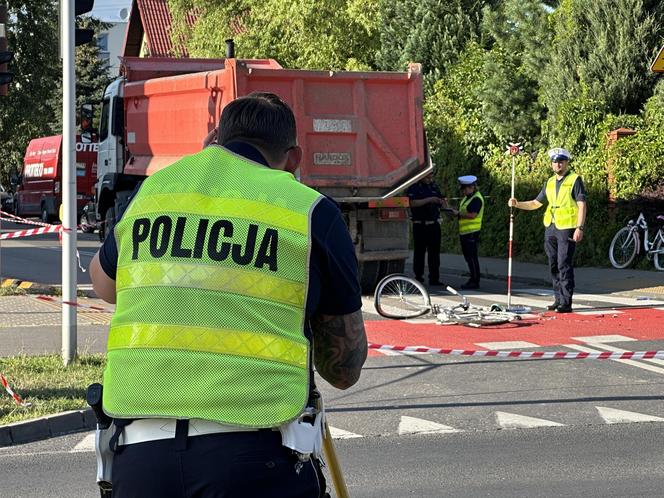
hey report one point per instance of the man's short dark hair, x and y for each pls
(261, 119)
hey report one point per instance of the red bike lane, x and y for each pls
(549, 329)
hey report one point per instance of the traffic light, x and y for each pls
(83, 36)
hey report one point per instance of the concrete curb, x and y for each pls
(46, 427)
(37, 288)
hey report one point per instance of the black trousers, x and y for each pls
(469, 246)
(426, 240)
(559, 248)
(226, 465)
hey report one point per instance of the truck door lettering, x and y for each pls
(159, 245)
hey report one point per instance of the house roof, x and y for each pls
(151, 20)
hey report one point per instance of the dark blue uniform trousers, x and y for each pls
(469, 246)
(226, 465)
(426, 240)
(559, 248)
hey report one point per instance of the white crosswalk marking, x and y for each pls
(600, 339)
(615, 416)
(632, 363)
(413, 425)
(85, 444)
(515, 421)
(342, 434)
(506, 345)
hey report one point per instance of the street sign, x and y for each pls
(658, 64)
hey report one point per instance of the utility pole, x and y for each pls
(68, 182)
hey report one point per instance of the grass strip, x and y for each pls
(46, 383)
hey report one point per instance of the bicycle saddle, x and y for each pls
(660, 218)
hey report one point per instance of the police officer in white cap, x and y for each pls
(564, 220)
(470, 213)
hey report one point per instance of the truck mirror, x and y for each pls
(86, 118)
(14, 178)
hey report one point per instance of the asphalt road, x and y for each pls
(39, 258)
(622, 460)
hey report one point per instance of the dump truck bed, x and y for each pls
(358, 130)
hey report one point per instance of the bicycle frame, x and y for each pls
(642, 224)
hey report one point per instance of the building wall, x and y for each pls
(110, 42)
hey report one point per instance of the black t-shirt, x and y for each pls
(334, 287)
(427, 212)
(475, 205)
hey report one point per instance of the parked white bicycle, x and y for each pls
(399, 296)
(627, 243)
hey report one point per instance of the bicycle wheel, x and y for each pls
(399, 296)
(658, 256)
(623, 248)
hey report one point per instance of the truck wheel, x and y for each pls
(44, 215)
(369, 275)
(109, 221)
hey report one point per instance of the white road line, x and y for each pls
(600, 345)
(514, 421)
(633, 363)
(598, 312)
(611, 299)
(342, 434)
(85, 444)
(507, 345)
(604, 338)
(517, 300)
(615, 416)
(412, 425)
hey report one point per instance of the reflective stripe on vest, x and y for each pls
(468, 225)
(562, 208)
(213, 257)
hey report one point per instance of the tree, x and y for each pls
(300, 34)
(521, 37)
(600, 54)
(432, 32)
(27, 111)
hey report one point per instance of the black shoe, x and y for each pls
(564, 308)
(420, 279)
(470, 285)
(435, 282)
(554, 306)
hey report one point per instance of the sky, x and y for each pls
(109, 10)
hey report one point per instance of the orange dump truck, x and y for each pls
(361, 133)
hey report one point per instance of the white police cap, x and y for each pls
(467, 179)
(560, 154)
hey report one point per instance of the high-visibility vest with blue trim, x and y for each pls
(468, 225)
(562, 209)
(212, 277)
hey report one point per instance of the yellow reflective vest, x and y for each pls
(468, 225)
(212, 277)
(562, 209)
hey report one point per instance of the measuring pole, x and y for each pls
(513, 151)
(68, 182)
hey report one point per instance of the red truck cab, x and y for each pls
(39, 192)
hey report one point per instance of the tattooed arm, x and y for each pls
(340, 347)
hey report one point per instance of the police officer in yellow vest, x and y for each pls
(564, 220)
(231, 280)
(470, 213)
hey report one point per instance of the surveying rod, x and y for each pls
(333, 464)
(68, 183)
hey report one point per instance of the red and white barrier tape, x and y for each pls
(70, 303)
(12, 218)
(33, 231)
(543, 355)
(16, 397)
